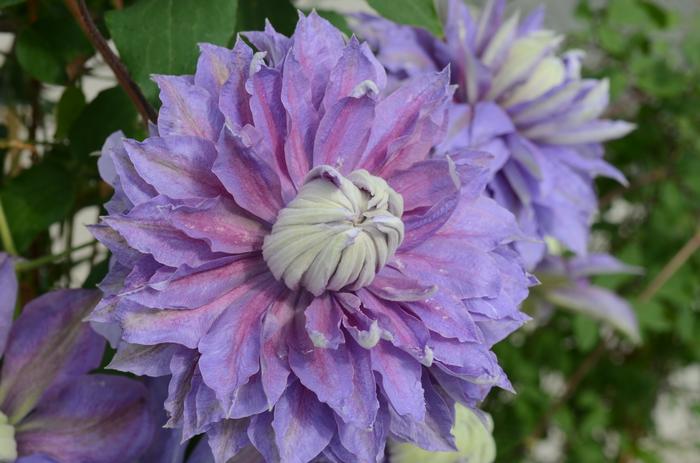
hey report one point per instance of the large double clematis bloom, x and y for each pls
(286, 248)
(521, 101)
(51, 410)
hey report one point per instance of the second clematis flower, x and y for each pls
(521, 100)
(51, 409)
(285, 247)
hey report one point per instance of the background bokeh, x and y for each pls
(585, 392)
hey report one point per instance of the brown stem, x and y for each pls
(671, 267)
(81, 14)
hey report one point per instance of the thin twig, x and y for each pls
(82, 15)
(17, 144)
(671, 267)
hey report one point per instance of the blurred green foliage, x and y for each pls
(51, 126)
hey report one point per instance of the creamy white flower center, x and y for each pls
(8, 445)
(337, 233)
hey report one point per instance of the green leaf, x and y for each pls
(611, 40)
(37, 59)
(50, 45)
(625, 13)
(652, 317)
(421, 13)
(337, 19)
(68, 110)
(657, 13)
(110, 111)
(585, 332)
(685, 323)
(252, 15)
(161, 36)
(37, 198)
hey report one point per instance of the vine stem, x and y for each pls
(25, 266)
(82, 15)
(5, 234)
(592, 359)
(671, 267)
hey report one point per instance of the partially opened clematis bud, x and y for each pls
(288, 251)
(521, 100)
(337, 233)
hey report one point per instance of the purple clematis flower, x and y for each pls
(287, 250)
(521, 101)
(51, 410)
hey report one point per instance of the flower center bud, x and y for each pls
(337, 233)
(8, 445)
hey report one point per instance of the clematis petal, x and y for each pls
(230, 356)
(8, 289)
(192, 406)
(424, 433)
(251, 181)
(303, 426)
(400, 379)
(130, 188)
(178, 167)
(302, 120)
(261, 435)
(222, 223)
(216, 65)
(95, 418)
(144, 360)
(337, 142)
(318, 47)
(276, 45)
(146, 228)
(48, 344)
(356, 66)
(187, 109)
(268, 112)
(227, 438)
(400, 115)
(233, 100)
(325, 372)
(323, 319)
(598, 303)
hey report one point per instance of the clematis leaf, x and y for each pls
(252, 14)
(35, 199)
(421, 13)
(161, 36)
